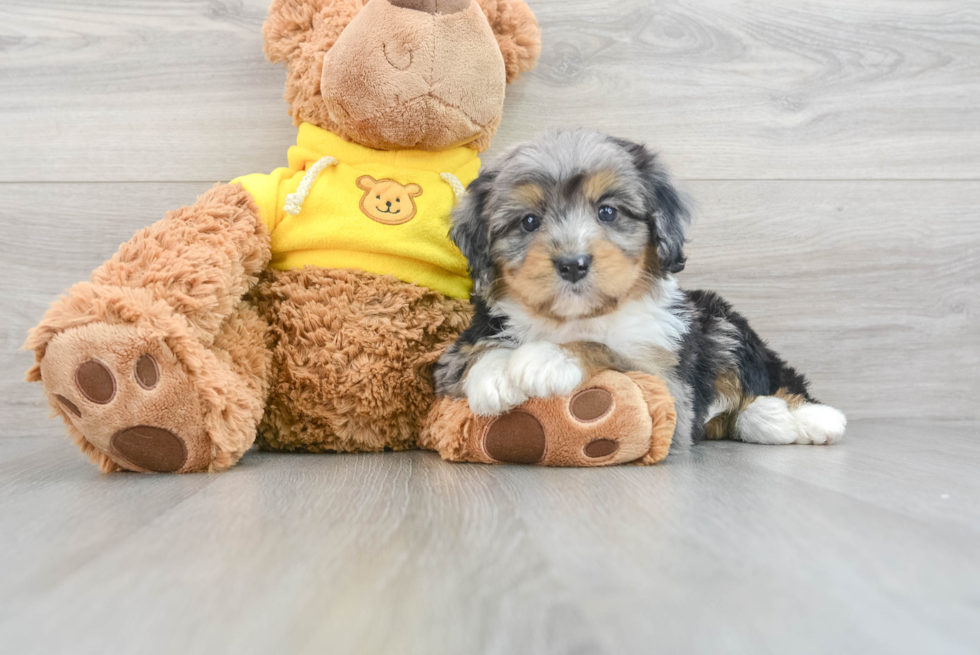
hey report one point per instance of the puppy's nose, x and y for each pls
(574, 268)
(433, 6)
(389, 204)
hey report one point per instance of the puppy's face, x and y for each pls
(570, 245)
(571, 225)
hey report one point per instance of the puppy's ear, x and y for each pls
(471, 231)
(667, 212)
(517, 32)
(291, 23)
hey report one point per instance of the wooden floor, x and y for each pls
(869, 547)
(833, 150)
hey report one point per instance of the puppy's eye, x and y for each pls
(530, 223)
(607, 214)
(398, 199)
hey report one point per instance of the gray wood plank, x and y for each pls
(138, 90)
(871, 288)
(763, 89)
(756, 562)
(144, 90)
(931, 479)
(195, 556)
(716, 551)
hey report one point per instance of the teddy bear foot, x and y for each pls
(583, 430)
(126, 392)
(611, 419)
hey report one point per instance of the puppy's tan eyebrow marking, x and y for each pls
(529, 194)
(598, 184)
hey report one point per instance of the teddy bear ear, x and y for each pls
(366, 182)
(291, 23)
(517, 32)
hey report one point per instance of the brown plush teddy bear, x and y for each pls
(305, 308)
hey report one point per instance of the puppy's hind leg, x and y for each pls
(819, 424)
(782, 419)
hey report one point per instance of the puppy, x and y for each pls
(573, 242)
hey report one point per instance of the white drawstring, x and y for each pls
(454, 182)
(294, 201)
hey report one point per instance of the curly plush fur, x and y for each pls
(517, 33)
(351, 354)
(299, 33)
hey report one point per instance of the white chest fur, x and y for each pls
(651, 322)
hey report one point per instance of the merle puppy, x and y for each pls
(573, 241)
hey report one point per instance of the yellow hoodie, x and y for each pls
(384, 212)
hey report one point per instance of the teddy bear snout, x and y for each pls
(433, 6)
(425, 81)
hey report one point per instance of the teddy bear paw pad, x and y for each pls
(600, 448)
(127, 393)
(591, 404)
(604, 422)
(515, 438)
(150, 448)
(96, 382)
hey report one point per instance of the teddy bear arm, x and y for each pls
(200, 260)
(157, 363)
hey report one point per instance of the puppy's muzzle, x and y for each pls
(573, 268)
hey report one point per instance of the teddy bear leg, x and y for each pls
(613, 418)
(150, 399)
(157, 364)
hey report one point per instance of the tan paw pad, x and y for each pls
(604, 422)
(96, 382)
(601, 448)
(130, 397)
(147, 372)
(150, 448)
(591, 404)
(515, 438)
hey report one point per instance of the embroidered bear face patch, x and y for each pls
(387, 201)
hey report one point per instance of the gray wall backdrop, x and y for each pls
(832, 149)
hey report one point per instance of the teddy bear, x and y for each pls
(303, 309)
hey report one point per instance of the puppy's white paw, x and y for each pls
(488, 387)
(767, 420)
(819, 424)
(542, 369)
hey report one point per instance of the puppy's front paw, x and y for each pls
(488, 388)
(542, 369)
